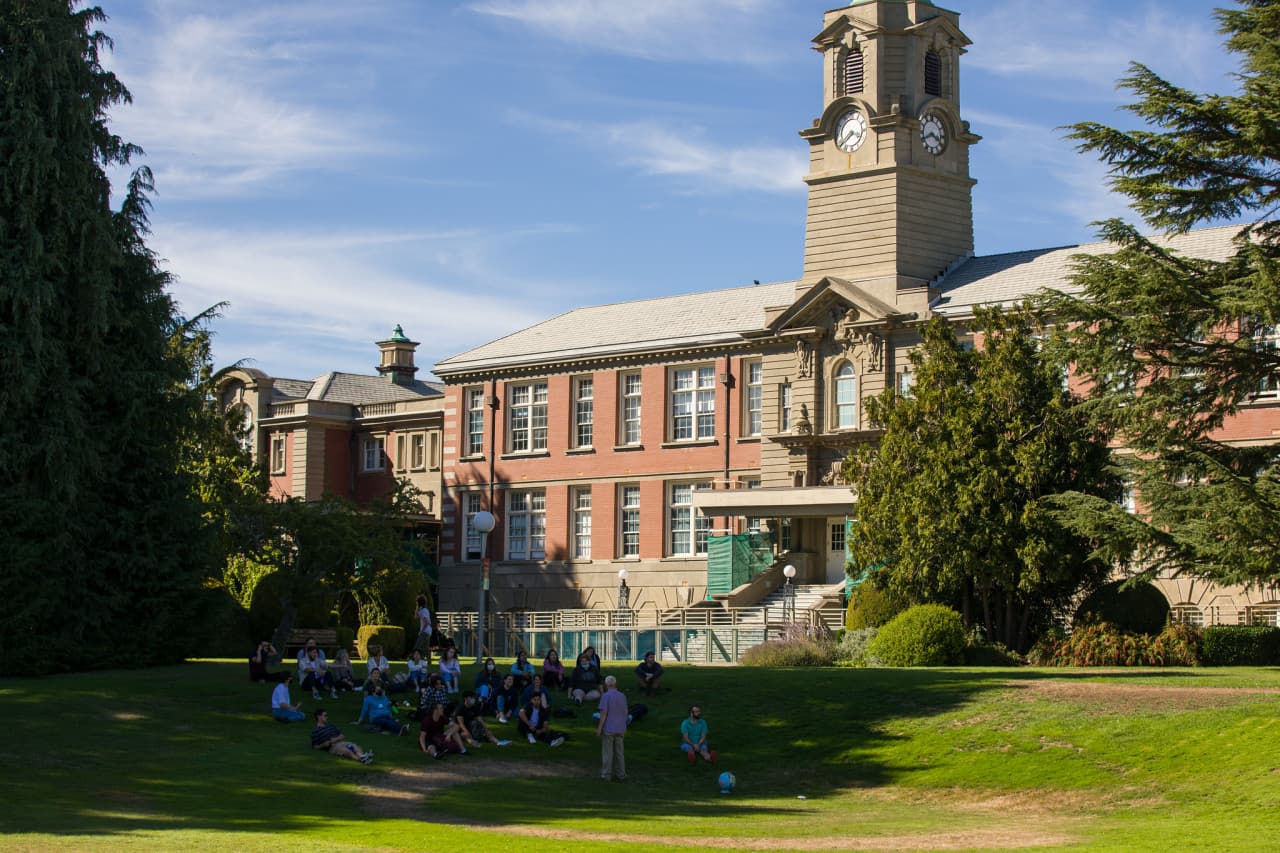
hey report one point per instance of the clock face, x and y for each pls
(933, 133)
(851, 131)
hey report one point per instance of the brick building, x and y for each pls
(628, 436)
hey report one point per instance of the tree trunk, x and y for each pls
(288, 614)
(966, 603)
(1022, 628)
(986, 610)
(1009, 621)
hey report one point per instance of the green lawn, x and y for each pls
(186, 757)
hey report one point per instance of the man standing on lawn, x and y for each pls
(611, 730)
(326, 736)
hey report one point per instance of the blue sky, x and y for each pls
(466, 168)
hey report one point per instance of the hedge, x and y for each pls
(1240, 645)
(924, 635)
(390, 637)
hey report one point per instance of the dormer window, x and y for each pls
(850, 74)
(933, 74)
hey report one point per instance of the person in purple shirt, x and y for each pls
(612, 729)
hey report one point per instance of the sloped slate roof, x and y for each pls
(1008, 278)
(354, 389)
(669, 321)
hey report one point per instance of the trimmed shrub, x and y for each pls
(924, 635)
(1241, 645)
(1105, 645)
(869, 608)
(390, 637)
(1140, 609)
(796, 652)
(851, 648)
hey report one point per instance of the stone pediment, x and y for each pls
(949, 29)
(835, 31)
(833, 302)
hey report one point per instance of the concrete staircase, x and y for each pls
(823, 598)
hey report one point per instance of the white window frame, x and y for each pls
(418, 451)
(583, 411)
(753, 398)
(580, 511)
(374, 456)
(402, 451)
(754, 524)
(844, 396)
(527, 524)
(691, 411)
(472, 539)
(906, 383)
(629, 520)
(687, 530)
(433, 459)
(631, 404)
(527, 417)
(278, 452)
(1267, 337)
(836, 537)
(474, 400)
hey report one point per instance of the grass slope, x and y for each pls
(186, 757)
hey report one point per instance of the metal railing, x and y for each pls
(691, 635)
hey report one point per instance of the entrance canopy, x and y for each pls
(807, 502)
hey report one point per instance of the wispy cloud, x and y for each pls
(707, 30)
(1078, 49)
(298, 299)
(226, 103)
(705, 165)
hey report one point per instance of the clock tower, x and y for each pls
(890, 197)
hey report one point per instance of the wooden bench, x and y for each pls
(326, 639)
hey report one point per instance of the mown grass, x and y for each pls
(186, 757)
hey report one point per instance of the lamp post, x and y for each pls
(789, 595)
(483, 522)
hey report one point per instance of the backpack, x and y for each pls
(637, 712)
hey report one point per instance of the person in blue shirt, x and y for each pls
(536, 686)
(376, 710)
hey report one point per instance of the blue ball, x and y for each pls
(727, 781)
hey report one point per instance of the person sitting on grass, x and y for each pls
(553, 670)
(535, 723)
(438, 734)
(450, 669)
(303, 653)
(536, 686)
(376, 710)
(693, 737)
(327, 736)
(522, 670)
(259, 660)
(434, 692)
(467, 714)
(281, 707)
(340, 673)
(584, 683)
(374, 680)
(316, 674)
(377, 660)
(649, 673)
(488, 683)
(419, 669)
(508, 699)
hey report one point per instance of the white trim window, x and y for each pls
(418, 451)
(629, 521)
(753, 398)
(906, 384)
(581, 504)
(837, 537)
(583, 411)
(631, 387)
(1266, 339)
(375, 453)
(527, 417)
(434, 459)
(693, 403)
(475, 421)
(402, 452)
(753, 525)
(278, 453)
(784, 407)
(526, 524)
(688, 528)
(472, 538)
(846, 397)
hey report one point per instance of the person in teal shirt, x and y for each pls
(376, 710)
(693, 737)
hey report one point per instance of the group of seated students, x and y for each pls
(522, 695)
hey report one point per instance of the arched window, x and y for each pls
(933, 74)
(846, 397)
(851, 77)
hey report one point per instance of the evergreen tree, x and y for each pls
(1171, 346)
(951, 503)
(101, 536)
